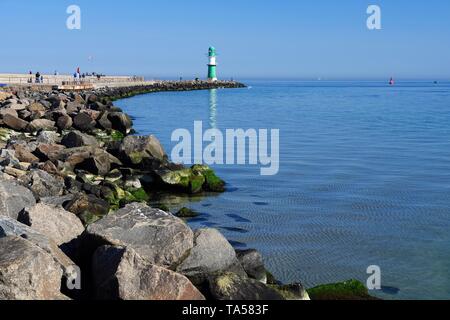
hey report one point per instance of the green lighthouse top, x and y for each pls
(212, 51)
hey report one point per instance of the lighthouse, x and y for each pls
(212, 65)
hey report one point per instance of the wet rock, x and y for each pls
(252, 262)
(120, 273)
(230, 286)
(186, 213)
(347, 290)
(14, 122)
(155, 235)
(14, 198)
(184, 180)
(88, 208)
(53, 222)
(76, 139)
(211, 253)
(212, 181)
(27, 272)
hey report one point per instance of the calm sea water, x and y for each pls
(364, 178)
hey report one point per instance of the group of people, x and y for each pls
(38, 77)
(78, 76)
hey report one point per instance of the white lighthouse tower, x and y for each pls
(212, 65)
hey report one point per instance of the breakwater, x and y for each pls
(74, 186)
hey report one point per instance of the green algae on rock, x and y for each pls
(347, 290)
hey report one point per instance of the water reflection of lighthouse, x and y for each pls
(213, 108)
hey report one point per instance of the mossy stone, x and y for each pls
(186, 213)
(347, 290)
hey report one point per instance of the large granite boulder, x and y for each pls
(12, 227)
(120, 273)
(232, 287)
(53, 222)
(27, 272)
(14, 198)
(211, 253)
(157, 236)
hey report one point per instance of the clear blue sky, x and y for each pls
(255, 38)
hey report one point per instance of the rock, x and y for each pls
(57, 201)
(14, 122)
(49, 151)
(8, 158)
(36, 107)
(48, 137)
(99, 162)
(24, 155)
(120, 273)
(64, 122)
(142, 149)
(230, 286)
(12, 227)
(76, 139)
(211, 253)
(53, 222)
(43, 184)
(183, 180)
(27, 272)
(347, 290)
(212, 182)
(49, 167)
(41, 124)
(15, 172)
(252, 262)
(5, 111)
(14, 198)
(104, 122)
(5, 96)
(155, 235)
(294, 291)
(84, 122)
(186, 213)
(120, 122)
(88, 208)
